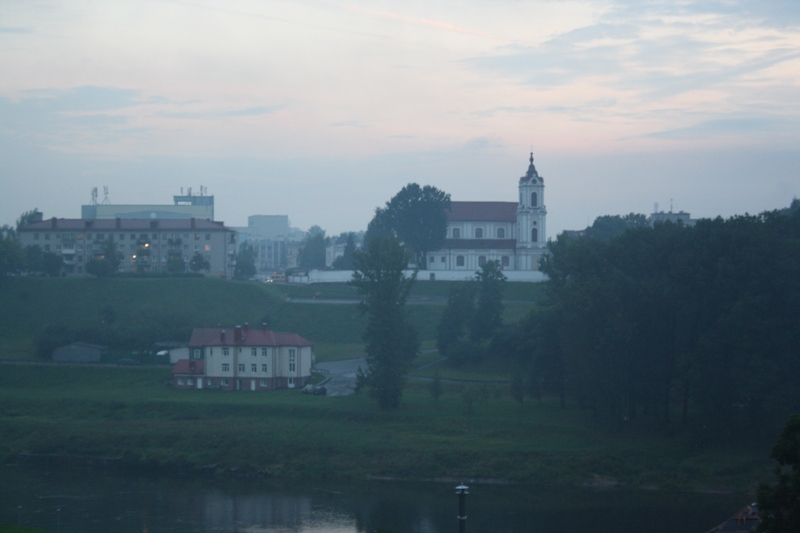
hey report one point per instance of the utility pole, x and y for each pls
(461, 490)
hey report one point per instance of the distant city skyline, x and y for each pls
(322, 110)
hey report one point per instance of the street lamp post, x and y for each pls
(461, 490)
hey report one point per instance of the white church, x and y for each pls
(512, 233)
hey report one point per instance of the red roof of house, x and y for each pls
(125, 224)
(482, 212)
(242, 336)
(189, 366)
(479, 244)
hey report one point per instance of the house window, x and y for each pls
(262, 382)
(456, 233)
(292, 361)
(263, 352)
(241, 367)
(264, 368)
(224, 382)
(479, 233)
(534, 197)
(501, 233)
(197, 236)
(225, 351)
(291, 383)
(254, 368)
(207, 247)
(481, 260)
(210, 382)
(226, 367)
(197, 354)
(504, 261)
(253, 352)
(211, 351)
(189, 381)
(535, 235)
(441, 259)
(460, 260)
(208, 236)
(180, 381)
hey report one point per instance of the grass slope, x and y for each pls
(28, 305)
(130, 415)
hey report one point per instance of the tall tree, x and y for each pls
(391, 342)
(12, 256)
(28, 217)
(457, 318)
(345, 261)
(312, 251)
(176, 264)
(245, 262)
(609, 226)
(489, 310)
(779, 504)
(198, 263)
(418, 217)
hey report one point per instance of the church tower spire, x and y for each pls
(531, 213)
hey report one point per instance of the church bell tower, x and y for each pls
(531, 218)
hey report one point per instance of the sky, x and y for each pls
(323, 110)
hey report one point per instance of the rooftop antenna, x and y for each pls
(670, 205)
(105, 195)
(189, 191)
(94, 195)
(655, 207)
(201, 190)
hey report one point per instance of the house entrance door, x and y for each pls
(238, 384)
(252, 384)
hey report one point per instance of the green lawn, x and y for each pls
(129, 414)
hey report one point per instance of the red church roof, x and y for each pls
(244, 336)
(482, 212)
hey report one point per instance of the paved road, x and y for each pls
(342, 375)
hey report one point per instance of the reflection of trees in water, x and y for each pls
(401, 512)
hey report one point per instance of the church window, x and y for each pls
(534, 197)
(479, 233)
(456, 233)
(481, 260)
(501, 233)
(535, 235)
(460, 260)
(504, 261)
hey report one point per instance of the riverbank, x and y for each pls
(126, 417)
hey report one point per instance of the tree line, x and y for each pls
(652, 325)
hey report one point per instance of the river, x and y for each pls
(87, 500)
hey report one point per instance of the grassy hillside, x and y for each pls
(128, 414)
(107, 310)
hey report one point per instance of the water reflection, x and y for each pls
(86, 500)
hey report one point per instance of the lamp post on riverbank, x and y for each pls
(461, 490)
